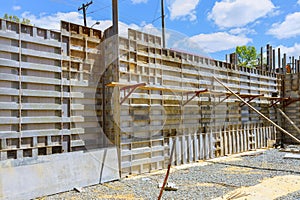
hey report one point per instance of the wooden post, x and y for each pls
(255, 110)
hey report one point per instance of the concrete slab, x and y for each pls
(35, 177)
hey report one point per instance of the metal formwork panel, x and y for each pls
(203, 126)
(48, 90)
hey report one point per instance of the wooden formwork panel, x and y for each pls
(236, 139)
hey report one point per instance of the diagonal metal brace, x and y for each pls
(290, 101)
(196, 93)
(132, 89)
(250, 99)
(277, 101)
(227, 96)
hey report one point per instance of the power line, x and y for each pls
(84, 8)
(108, 6)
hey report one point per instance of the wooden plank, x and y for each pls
(221, 141)
(207, 146)
(190, 149)
(238, 140)
(212, 145)
(184, 150)
(248, 137)
(196, 146)
(242, 141)
(234, 140)
(201, 145)
(230, 141)
(226, 151)
(255, 136)
(178, 150)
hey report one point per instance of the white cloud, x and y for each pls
(183, 9)
(53, 22)
(16, 8)
(242, 31)
(290, 51)
(290, 27)
(139, 1)
(298, 2)
(237, 13)
(211, 43)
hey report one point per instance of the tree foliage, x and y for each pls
(246, 55)
(15, 18)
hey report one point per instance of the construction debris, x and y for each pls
(169, 187)
(292, 156)
(291, 148)
(78, 189)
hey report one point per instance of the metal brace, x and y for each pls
(196, 93)
(250, 99)
(132, 89)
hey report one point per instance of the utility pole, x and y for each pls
(84, 8)
(115, 16)
(163, 23)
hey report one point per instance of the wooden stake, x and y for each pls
(255, 110)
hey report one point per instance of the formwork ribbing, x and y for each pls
(48, 92)
(292, 107)
(154, 94)
(51, 138)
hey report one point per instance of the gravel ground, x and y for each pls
(202, 180)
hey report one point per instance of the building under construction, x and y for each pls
(81, 107)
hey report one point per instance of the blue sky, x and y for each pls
(211, 28)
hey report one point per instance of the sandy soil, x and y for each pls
(271, 188)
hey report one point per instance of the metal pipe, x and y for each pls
(168, 171)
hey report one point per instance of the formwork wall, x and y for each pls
(51, 111)
(150, 106)
(48, 90)
(292, 110)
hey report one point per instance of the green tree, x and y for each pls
(246, 56)
(15, 18)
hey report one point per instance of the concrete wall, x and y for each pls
(35, 177)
